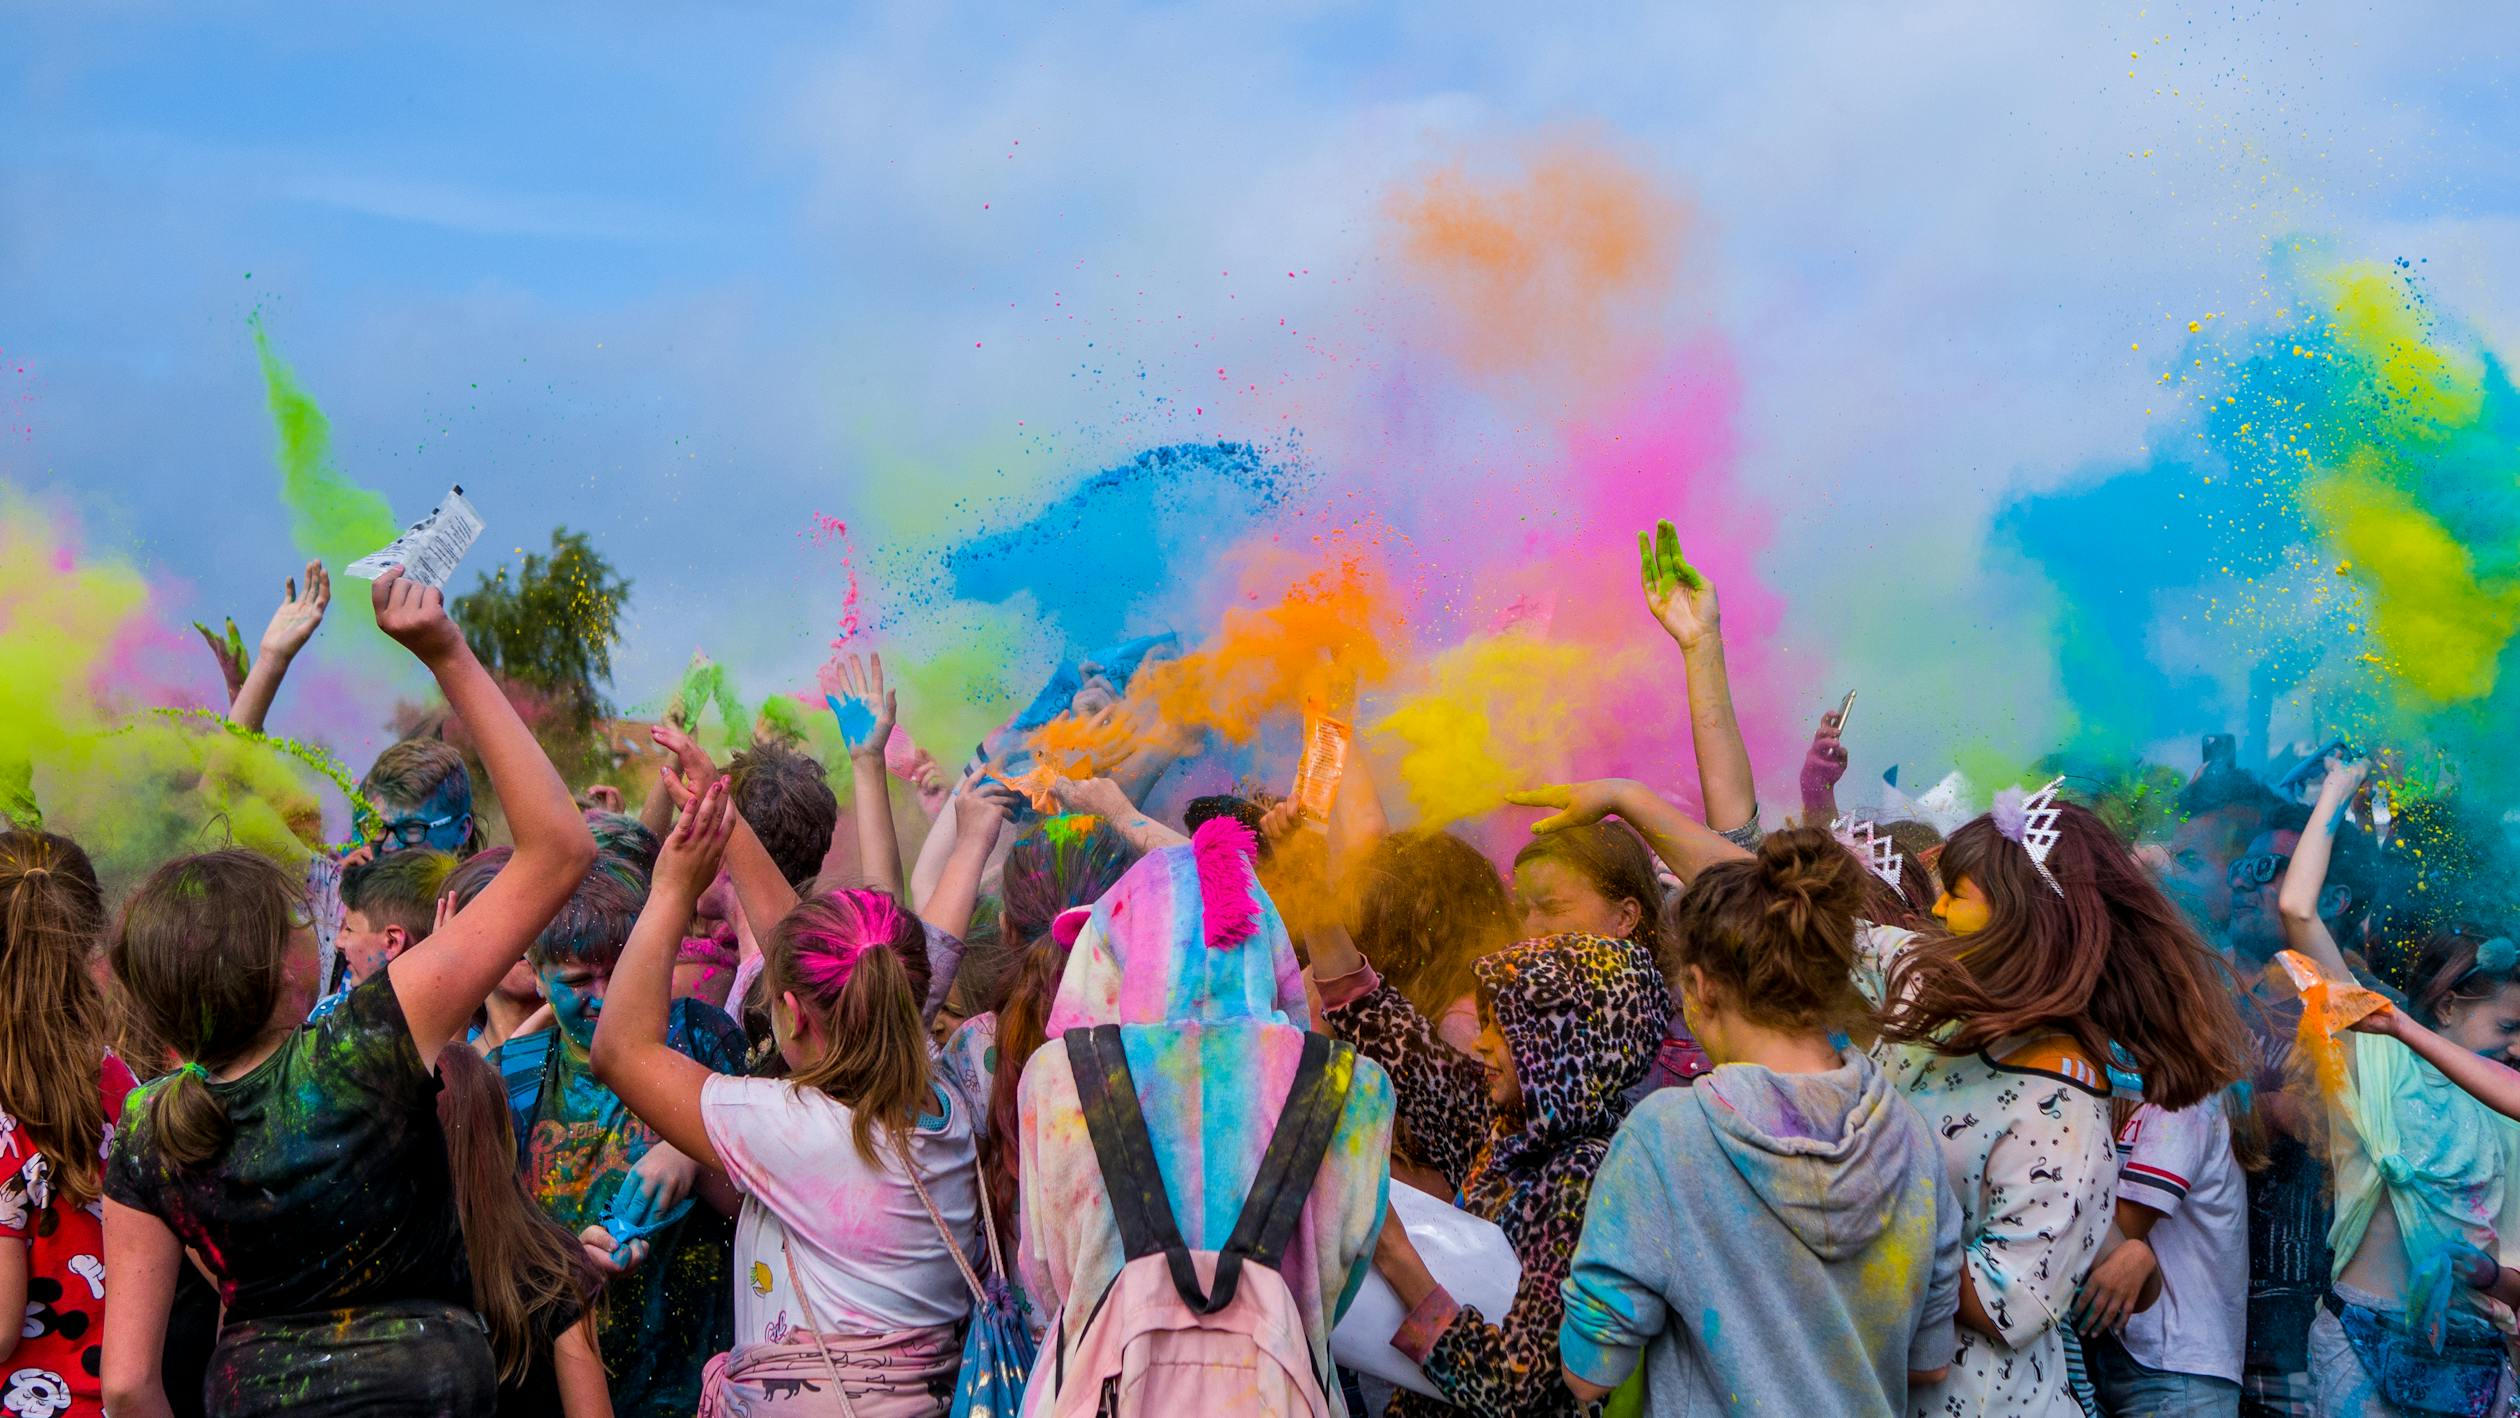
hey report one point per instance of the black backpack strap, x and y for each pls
(1125, 1151)
(1315, 1101)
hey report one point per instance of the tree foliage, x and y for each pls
(550, 625)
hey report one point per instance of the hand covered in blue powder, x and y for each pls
(863, 706)
(611, 1258)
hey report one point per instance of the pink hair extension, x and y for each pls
(1225, 849)
(826, 958)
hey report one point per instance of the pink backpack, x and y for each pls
(1183, 1333)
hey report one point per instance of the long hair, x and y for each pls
(56, 1029)
(524, 1264)
(2447, 970)
(1022, 1028)
(1428, 906)
(1775, 934)
(1054, 867)
(200, 951)
(2111, 960)
(1611, 857)
(844, 955)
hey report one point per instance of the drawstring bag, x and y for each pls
(998, 1350)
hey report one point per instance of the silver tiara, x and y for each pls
(2031, 821)
(1872, 847)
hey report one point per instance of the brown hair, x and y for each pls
(1426, 906)
(524, 1264)
(2111, 960)
(411, 771)
(200, 951)
(1775, 934)
(788, 803)
(1022, 1028)
(400, 888)
(1613, 858)
(844, 955)
(2446, 971)
(51, 914)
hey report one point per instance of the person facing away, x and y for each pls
(61, 1093)
(532, 1280)
(858, 1169)
(598, 1169)
(1779, 1237)
(303, 1163)
(1188, 957)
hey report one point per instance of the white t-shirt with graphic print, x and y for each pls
(2180, 1164)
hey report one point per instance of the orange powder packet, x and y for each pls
(1317, 774)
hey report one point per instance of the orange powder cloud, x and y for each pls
(1568, 264)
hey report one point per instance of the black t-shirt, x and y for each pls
(536, 1394)
(332, 1191)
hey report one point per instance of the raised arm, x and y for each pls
(1684, 601)
(866, 709)
(631, 1055)
(760, 887)
(984, 809)
(442, 980)
(1105, 799)
(1824, 763)
(1685, 845)
(292, 625)
(2306, 880)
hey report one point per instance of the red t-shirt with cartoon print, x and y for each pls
(53, 1374)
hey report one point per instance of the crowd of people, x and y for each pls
(730, 1106)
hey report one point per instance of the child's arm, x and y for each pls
(866, 710)
(1823, 765)
(143, 1256)
(292, 625)
(631, 1056)
(442, 980)
(1357, 820)
(1108, 801)
(2123, 1282)
(984, 809)
(2494, 1085)
(585, 1391)
(13, 1278)
(2306, 881)
(1685, 845)
(1684, 601)
(760, 887)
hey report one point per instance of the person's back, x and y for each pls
(1780, 1237)
(1188, 957)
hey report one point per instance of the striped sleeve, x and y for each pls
(2161, 1152)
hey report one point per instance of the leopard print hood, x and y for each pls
(1583, 1016)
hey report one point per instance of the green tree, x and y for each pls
(550, 626)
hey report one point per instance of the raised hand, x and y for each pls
(864, 706)
(294, 622)
(1577, 803)
(982, 809)
(414, 617)
(1678, 595)
(1824, 763)
(688, 861)
(229, 651)
(692, 769)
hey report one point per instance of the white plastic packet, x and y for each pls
(429, 550)
(1469, 1257)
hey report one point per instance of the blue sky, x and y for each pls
(682, 277)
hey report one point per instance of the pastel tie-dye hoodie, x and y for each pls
(1189, 956)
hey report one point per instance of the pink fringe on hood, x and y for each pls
(1225, 850)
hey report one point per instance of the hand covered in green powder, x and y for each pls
(1678, 595)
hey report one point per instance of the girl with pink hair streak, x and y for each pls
(859, 1172)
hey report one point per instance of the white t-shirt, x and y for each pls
(2180, 1164)
(866, 1251)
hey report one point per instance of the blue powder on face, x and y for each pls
(1124, 535)
(856, 716)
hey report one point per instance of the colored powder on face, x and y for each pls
(1566, 264)
(330, 517)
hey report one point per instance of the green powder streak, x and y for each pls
(331, 518)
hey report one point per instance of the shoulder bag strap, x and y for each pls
(805, 1307)
(1283, 1182)
(1125, 1151)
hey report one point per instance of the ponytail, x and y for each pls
(845, 957)
(190, 1121)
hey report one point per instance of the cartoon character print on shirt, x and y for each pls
(568, 1160)
(35, 1393)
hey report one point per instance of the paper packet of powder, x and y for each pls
(1317, 774)
(429, 551)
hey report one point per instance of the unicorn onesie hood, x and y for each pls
(1188, 955)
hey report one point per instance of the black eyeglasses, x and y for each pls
(2257, 869)
(412, 831)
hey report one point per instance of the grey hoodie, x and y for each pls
(1773, 1243)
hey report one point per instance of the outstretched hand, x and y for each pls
(864, 706)
(1676, 592)
(688, 861)
(691, 770)
(1824, 763)
(294, 622)
(1578, 804)
(414, 616)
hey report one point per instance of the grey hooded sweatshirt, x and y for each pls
(1772, 1243)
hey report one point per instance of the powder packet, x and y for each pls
(431, 548)
(1324, 763)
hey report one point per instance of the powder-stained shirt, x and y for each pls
(332, 1190)
(663, 1321)
(53, 1373)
